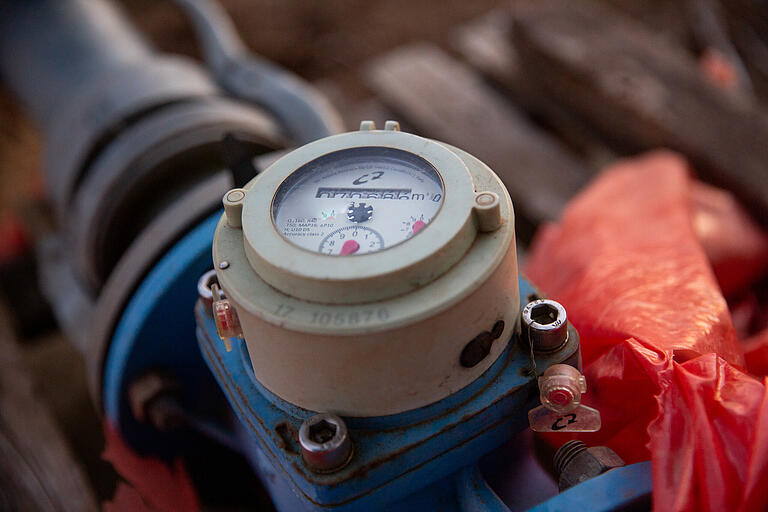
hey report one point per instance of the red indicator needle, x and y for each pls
(349, 247)
(418, 226)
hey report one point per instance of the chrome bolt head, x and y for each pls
(325, 443)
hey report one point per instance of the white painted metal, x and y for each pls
(382, 332)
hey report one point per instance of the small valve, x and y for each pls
(560, 390)
(225, 316)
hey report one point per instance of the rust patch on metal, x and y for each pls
(288, 439)
(363, 470)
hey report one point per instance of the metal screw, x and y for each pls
(576, 463)
(154, 399)
(224, 265)
(325, 443)
(545, 324)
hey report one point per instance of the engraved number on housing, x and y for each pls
(350, 317)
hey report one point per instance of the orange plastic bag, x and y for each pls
(736, 247)
(627, 264)
(756, 354)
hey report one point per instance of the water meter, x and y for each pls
(375, 353)
(369, 273)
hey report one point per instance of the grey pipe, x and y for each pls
(51, 48)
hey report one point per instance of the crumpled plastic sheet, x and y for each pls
(626, 262)
(756, 353)
(710, 440)
(737, 249)
(661, 356)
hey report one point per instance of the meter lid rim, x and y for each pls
(264, 243)
(252, 294)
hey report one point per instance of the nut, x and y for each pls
(154, 399)
(575, 463)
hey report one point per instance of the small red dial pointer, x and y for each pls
(349, 247)
(418, 226)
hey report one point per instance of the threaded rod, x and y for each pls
(566, 453)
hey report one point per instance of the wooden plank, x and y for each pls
(37, 468)
(446, 100)
(748, 26)
(486, 44)
(637, 88)
(353, 108)
(710, 31)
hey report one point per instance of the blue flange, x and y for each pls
(624, 488)
(395, 456)
(157, 332)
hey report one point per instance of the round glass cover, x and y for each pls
(357, 200)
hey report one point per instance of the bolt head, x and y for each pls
(146, 389)
(588, 464)
(545, 325)
(325, 443)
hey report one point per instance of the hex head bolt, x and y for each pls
(576, 463)
(325, 443)
(545, 325)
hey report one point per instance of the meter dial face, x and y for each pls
(357, 201)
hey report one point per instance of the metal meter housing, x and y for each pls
(379, 332)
